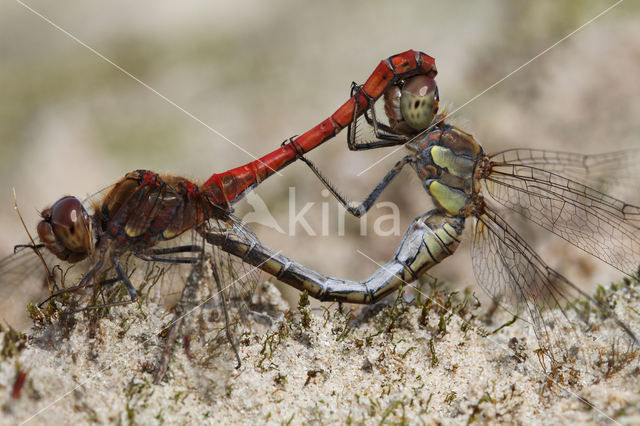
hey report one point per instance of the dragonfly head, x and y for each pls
(413, 107)
(66, 230)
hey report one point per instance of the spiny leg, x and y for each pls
(149, 255)
(383, 132)
(102, 283)
(84, 282)
(122, 276)
(125, 280)
(189, 248)
(156, 254)
(174, 330)
(365, 205)
(18, 247)
(387, 139)
(189, 260)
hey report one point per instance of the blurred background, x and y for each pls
(260, 72)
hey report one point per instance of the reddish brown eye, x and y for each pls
(71, 224)
(419, 101)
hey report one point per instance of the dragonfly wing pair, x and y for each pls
(597, 223)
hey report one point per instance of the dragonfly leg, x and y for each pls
(221, 292)
(360, 209)
(19, 247)
(125, 280)
(103, 283)
(150, 255)
(84, 282)
(383, 132)
(122, 276)
(189, 260)
(190, 248)
(429, 240)
(156, 254)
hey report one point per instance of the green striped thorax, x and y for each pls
(447, 163)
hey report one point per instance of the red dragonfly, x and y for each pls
(143, 210)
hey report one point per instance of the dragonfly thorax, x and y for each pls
(446, 159)
(144, 208)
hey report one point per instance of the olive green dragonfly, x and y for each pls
(555, 190)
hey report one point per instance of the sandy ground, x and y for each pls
(391, 363)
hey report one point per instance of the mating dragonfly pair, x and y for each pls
(144, 215)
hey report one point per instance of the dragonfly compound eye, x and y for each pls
(419, 101)
(65, 229)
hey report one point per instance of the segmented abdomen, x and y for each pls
(429, 240)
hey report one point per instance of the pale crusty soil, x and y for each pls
(390, 363)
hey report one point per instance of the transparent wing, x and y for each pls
(508, 269)
(23, 279)
(214, 301)
(24, 265)
(237, 278)
(614, 173)
(163, 280)
(597, 223)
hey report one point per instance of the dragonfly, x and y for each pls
(555, 190)
(146, 216)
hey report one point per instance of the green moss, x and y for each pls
(303, 308)
(432, 351)
(137, 394)
(270, 344)
(450, 397)
(13, 342)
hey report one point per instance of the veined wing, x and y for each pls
(160, 272)
(23, 265)
(238, 279)
(23, 279)
(603, 226)
(614, 173)
(513, 274)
